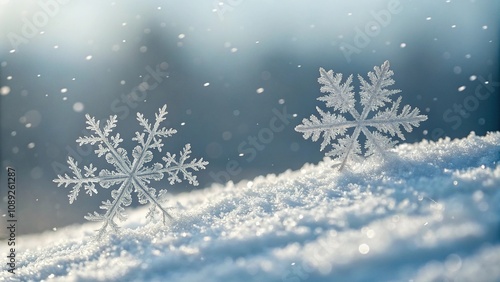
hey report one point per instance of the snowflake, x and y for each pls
(129, 175)
(374, 97)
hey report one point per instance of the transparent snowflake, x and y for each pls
(375, 115)
(129, 175)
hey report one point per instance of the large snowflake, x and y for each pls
(386, 121)
(129, 175)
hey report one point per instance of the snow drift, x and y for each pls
(429, 213)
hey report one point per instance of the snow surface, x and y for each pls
(430, 213)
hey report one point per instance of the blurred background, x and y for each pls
(237, 75)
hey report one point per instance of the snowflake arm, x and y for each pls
(173, 167)
(374, 94)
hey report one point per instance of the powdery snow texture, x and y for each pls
(430, 213)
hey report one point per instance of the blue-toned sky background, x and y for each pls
(225, 69)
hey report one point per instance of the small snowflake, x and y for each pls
(374, 97)
(129, 175)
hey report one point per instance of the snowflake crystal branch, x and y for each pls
(374, 97)
(129, 175)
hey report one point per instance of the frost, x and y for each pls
(129, 175)
(380, 113)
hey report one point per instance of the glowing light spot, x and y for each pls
(260, 90)
(364, 249)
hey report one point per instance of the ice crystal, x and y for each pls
(379, 120)
(129, 175)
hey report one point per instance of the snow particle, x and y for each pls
(78, 107)
(5, 90)
(481, 121)
(281, 101)
(181, 36)
(88, 58)
(478, 196)
(31, 145)
(226, 135)
(31, 118)
(461, 88)
(402, 45)
(428, 18)
(457, 70)
(206, 84)
(370, 233)
(143, 49)
(364, 249)
(236, 112)
(249, 184)
(260, 90)
(453, 263)
(64, 90)
(485, 27)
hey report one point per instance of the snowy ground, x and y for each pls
(431, 213)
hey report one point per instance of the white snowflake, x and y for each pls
(129, 175)
(374, 97)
